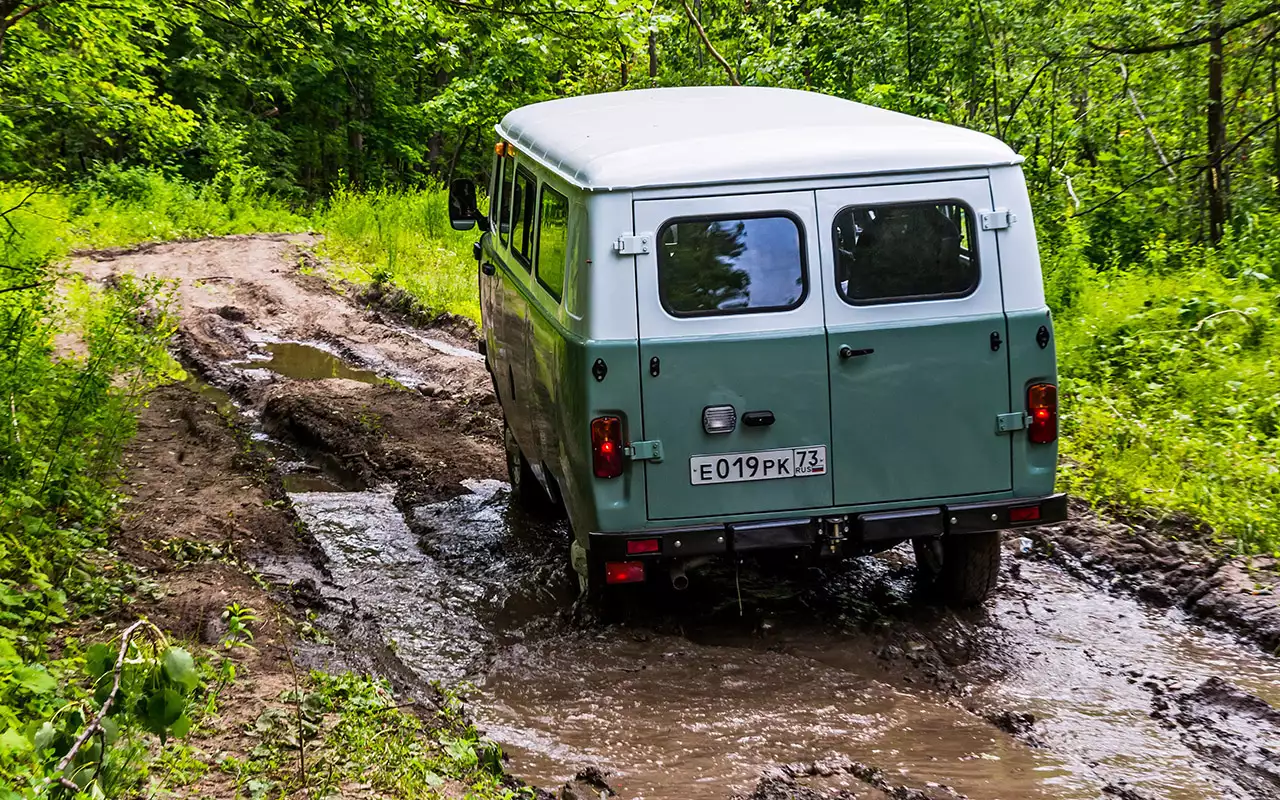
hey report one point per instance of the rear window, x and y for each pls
(553, 237)
(901, 253)
(523, 203)
(720, 265)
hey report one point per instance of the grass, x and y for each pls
(402, 238)
(1171, 391)
(356, 738)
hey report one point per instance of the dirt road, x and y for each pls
(1068, 685)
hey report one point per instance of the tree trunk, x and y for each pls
(653, 55)
(1217, 129)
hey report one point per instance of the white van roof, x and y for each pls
(733, 134)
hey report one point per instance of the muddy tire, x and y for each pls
(526, 492)
(959, 570)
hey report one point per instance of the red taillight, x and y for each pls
(636, 547)
(1024, 514)
(606, 446)
(1042, 404)
(623, 571)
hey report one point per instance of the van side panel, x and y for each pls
(1033, 464)
(604, 321)
(594, 504)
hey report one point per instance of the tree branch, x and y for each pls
(1124, 189)
(706, 41)
(1162, 47)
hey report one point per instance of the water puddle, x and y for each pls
(692, 699)
(305, 362)
(442, 597)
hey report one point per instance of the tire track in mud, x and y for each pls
(388, 441)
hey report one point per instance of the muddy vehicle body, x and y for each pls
(744, 321)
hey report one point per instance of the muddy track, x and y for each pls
(383, 440)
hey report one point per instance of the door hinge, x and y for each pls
(633, 244)
(644, 451)
(998, 220)
(1015, 421)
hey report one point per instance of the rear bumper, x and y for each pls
(834, 535)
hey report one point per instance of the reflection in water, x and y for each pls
(305, 362)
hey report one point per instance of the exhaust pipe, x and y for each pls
(679, 581)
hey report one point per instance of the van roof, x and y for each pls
(732, 134)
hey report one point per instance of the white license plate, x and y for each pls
(761, 465)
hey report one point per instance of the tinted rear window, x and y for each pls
(899, 253)
(731, 265)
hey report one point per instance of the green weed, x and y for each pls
(402, 238)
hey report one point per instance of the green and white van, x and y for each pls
(749, 321)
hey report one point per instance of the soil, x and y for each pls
(1172, 562)
(354, 464)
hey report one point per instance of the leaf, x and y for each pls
(99, 660)
(44, 737)
(13, 743)
(180, 668)
(164, 708)
(181, 727)
(36, 679)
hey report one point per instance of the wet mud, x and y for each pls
(763, 681)
(1173, 562)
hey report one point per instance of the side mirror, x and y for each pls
(463, 211)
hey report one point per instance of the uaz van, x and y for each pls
(746, 321)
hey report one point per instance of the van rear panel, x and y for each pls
(890, 360)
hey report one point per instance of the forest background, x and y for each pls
(1150, 128)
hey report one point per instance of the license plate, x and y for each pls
(761, 465)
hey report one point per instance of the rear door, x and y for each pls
(731, 330)
(915, 342)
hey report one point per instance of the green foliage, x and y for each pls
(1171, 391)
(352, 731)
(404, 238)
(95, 742)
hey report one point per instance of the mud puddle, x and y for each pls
(691, 700)
(305, 362)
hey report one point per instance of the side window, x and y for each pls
(710, 266)
(523, 204)
(553, 239)
(499, 200)
(509, 199)
(901, 253)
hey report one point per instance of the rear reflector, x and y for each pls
(606, 446)
(623, 571)
(1024, 514)
(637, 547)
(1042, 405)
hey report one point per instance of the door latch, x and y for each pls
(997, 220)
(644, 451)
(633, 244)
(1008, 423)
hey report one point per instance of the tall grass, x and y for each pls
(66, 411)
(404, 238)
(1171, 386)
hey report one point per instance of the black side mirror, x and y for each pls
(464, 213)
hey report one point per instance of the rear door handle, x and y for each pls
(757, 419)
(847, 352)
(487, 268)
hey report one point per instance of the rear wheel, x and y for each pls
(525, 489)
(962, 570)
